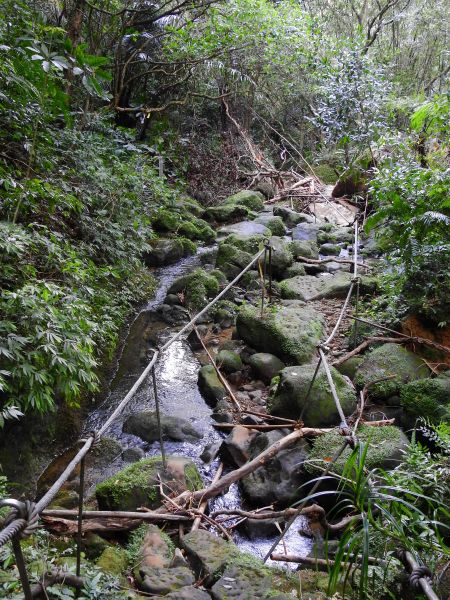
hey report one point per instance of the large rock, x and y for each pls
(385, 451)
(427, 398)
(186, 593)
(225, 213)
(168, 251)
(319, 410)
(279, 479)
(161, 580)
(145, 426)
(248, 243)
(236, 446)
(245, 228)
(138, 484)
(282, 257)
(265, 365)
(229, 361)
(329, 249)
(305, 232)
(291, 217)
(207, 553)
(197, 287)
(248, 198)
(304, 249)
(324, 285)
(336, 235)
(210, 385)
(231, 260)
(391, 361)
(275, 224)
(292, 330)
(155, 550)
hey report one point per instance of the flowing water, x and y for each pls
(178, 394)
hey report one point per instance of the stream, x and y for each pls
(178, 394)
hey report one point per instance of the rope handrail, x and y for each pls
(16, 524)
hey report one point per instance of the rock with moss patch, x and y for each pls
(319, 409)
(94, 545)
(226, 213)
(305, 232)
(282, 257)
(207, 553)
(324, 285)
(330, 250)
(168, 251)
(113, 560)
(211, 388)
(186, 593)
(145, 425)
(279, 478)
(248, 243)
(229, 361)
(231, 260)
(291, 217)
(335, 235)
(275, 224)
(156, 548)
(386, 447)
(244, 228)
(349, 367)
(291, 329)
(304, 249)
(249, 198)
(427, 398)
(393, 361)
(295, 270)
(138, 484)
(197, 287)
(160, 580)
(265, 365)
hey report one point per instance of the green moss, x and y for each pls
(113, 560)
(193, 480)
(251, 244)
(189, 247)
(428, 398)
(385, 449)
(200, 287)
(248, 198)
(304, 248)
(326, 173)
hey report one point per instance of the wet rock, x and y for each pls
(165, 580)
(282, 257)
(330, 249)
(256, 528)
(248, 228)
(168, 251)
(211, 388)
(251, 199)
(386, 449)
(231, 260)
(132, 454)
(349, 367)
(210, 452)
(279, 479)
(292, 331)
(145, 425)
(229, 361)
(138, 484)
(192, 338)
(385, 361)
(172, 299)
(222, 412)
(305, 249)
(173, 314)
(275, 224)
(113, 560)
(207, 553)
(265, 365)
(291, 217)
(305, 232)
(288, 399)
(197, 288)
(235, 446)
(338, 235)
(333, 266)
(248, 243)
(427, 398)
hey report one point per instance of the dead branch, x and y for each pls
(307, 431)
(204, 504)
(346, 261)
(50, 579)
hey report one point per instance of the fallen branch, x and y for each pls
(49, 579)
(366, 344)
(346, 261)
(322, 564)
(307, 431)
(204, 504)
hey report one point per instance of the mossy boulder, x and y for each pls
(229, 361)
(207, 553)
(211, 388)
(226, 213)
(393, 361)
(324, 285)
(265, 365)
(198, 287)
(305, 249)
(275, 224)
(290, 216)
(295, 270)
(164, 580)
(231, 260)
(244, 228)
(336, 235)
(179, 221)
(197, 229)
(94, 545)
(138, 484)
(292, 330)
(249, 198)
(427, 398)
(113, 560)
(168, 251)
(386, 449)
(282, 257)
(349, 367)
(330, 249)
(319, 410)
(248, 243)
